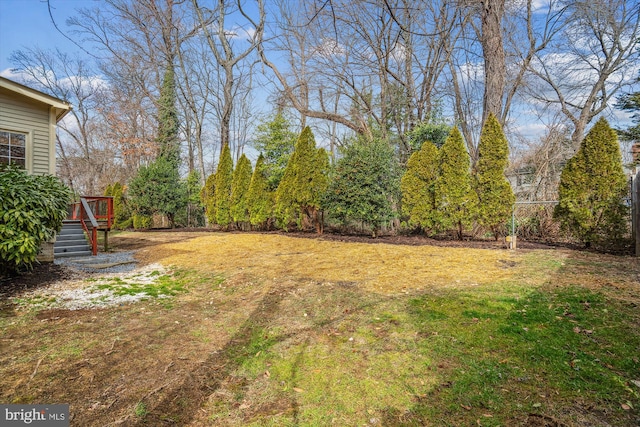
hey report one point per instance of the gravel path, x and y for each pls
(105, 263)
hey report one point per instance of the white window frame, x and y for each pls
(28, 155)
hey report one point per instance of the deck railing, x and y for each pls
(94, 213)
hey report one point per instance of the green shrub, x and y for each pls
(418, 186)
(496, 198)
(457, 202)
(32, 208)
(592, 188)
(207, 198)
(259, 198)
(223, 185)
(128, 223)
(239, 192)
(303, 184)
(158, 189)
(142, 222)
(365, 185)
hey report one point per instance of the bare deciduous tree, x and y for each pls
(87, 161)
(229, 57)
(596, 55)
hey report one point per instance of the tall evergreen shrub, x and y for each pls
(456, 200)
(259, 197)
(496, 198)
(223, 184)
(365, 185)
(303, 183)
(239, 192)
(418, 188)
(592, 188)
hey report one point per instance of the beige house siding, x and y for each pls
(34, 119)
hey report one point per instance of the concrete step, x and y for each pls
(74, 248)
(70, 229)
(72, 254)
(71, 241)
(67, 237)
(68, 243)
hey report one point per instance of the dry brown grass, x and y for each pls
(380, 268)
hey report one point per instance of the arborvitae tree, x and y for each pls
(365, 185)
(418, 188)
(239, 192)
(121, 214)
(208, 200)
(223, 184)
(495, 195)
(456, 199)
(303, 183)
(592, 188)
(318, 184)
(276, 141)
(108, 191)
(259, 197)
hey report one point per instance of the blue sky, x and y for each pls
(26, 23)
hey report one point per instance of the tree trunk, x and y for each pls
(494, 57)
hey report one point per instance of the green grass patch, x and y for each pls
(498, 355)
(153, 285)
(495, 353)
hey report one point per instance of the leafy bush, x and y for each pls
(128, 223)
(365, 186)
(157, 188)
(32, 208)
(592, 188)
(142, 222)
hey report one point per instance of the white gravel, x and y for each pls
(84, 293)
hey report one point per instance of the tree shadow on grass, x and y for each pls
(180, 405)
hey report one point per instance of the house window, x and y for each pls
(13, 148)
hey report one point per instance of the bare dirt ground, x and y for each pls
(167, 361)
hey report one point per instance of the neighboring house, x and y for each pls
(28, 121)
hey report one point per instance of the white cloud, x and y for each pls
(470, 72)
(330, 47)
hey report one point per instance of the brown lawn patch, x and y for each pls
(382, 268)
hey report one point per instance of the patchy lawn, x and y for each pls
(232, 329)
